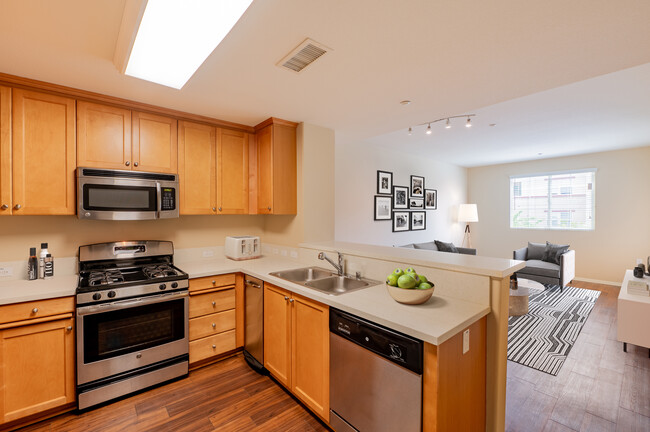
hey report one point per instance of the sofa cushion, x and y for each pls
(552, 252)
(446, 247)
(410, 245)
(541, 268)
(426, 245)
(535, 251)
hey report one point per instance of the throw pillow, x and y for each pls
(446, 247)
(552, 252)
(427, 246)
(535, 251)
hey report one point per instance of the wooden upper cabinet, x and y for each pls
(5, 151)
(277, 333)
(154, 143)
(44, 154)
(232, 172)
(276, 167)
(103, 136)
(197, 168)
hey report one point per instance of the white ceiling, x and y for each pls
(447, 57)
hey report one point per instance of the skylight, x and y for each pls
(175, 37)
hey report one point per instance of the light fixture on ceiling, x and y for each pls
(405, 102)
(174, 38)
(429, 131)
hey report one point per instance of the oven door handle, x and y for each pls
(125, 304)
(158, 200)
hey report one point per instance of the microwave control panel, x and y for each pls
(168, 199)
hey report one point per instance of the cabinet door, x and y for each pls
(284, 170)
(197, 168)
(44, 154)
(232, 172)
(103, 136)
(277, 333)
(265, 170)
(154, 143)
(310, 354)
(37, 368)
(5, 151)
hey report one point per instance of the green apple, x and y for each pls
(423, 279)
(410, 270)
(391, 280)
(398, 272)
(406, 281)
(424, 285)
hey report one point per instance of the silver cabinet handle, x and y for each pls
(290, 300)
(214, 209)
(214, 347)
(269, 208)
(286, 298)
(17, 206)
(214, 282)
(127, 163)
(69, 328)
(35, 310)
(214, 325)
(135, 164)
(214, 303)
(219, 208)
(5, 206)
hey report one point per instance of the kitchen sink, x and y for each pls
(324, 281)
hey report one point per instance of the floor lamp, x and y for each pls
(467, 213)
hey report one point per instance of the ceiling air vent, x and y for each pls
(305, 54)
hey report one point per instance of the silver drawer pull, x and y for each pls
(214, 209)
(214, 303)
(69, 328)
(35, 310)
(17, 206)
(135, 164)
(290, 300)
(214, 347)
(127, 163)
(214, 282)
(286, 298)
(219, 208)
(214, 325)
(4, 207)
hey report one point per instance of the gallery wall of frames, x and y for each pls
(405, 206)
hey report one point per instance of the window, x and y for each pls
(560, 200)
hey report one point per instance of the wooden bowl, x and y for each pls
(412, 296)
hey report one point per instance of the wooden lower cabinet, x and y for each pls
(37, 364)
(296, 346)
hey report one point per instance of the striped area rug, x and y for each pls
(543, 337)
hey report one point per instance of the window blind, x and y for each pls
(562, 200)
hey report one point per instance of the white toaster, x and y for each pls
(243, 247)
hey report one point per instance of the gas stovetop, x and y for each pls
(113, 271)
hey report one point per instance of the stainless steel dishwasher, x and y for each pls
(375, 377)
(254, 315)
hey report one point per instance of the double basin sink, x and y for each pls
(324, 280)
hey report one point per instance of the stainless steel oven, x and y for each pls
(132, 319)
(126, 195)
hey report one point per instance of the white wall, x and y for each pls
(622, 219)
(356, 185)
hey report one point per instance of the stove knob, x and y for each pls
(174, 285)
(97, 296)
(162, 286)
(111, 294)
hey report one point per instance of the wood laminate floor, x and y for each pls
(226, 396)
(599, 388)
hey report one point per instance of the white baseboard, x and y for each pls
(618, 284)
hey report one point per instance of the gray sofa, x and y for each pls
(432, 246)
(546, 272)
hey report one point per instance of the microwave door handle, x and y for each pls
(158, 200)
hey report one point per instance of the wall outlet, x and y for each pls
(6, 271)
(275, 251)
(465, 341)
(294, 254)
(283, 253)
(208, 253)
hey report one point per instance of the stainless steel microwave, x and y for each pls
(126, 195)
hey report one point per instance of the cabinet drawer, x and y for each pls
(211, 346)
(36, 309)
(212, 282)
(212, 324)
(209, 303)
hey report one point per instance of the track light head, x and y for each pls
(468, 124)
(447, 125)
(429, 131)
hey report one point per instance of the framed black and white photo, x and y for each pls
(430, 199)
(418, 221)
(384, 182)
(400, 197)
(416, 203)
(417, 186)
(383, 208)
(401, 221)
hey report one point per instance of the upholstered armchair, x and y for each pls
(553, 268)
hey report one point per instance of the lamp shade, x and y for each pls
(467, 213)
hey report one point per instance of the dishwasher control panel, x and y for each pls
(401, 349)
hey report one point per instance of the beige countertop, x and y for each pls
(434, 322)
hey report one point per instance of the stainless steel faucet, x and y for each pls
(338, 267)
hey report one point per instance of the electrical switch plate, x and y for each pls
(6, 271)
(465, 341)
(208, 253)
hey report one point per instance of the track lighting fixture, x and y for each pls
(447, 120)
